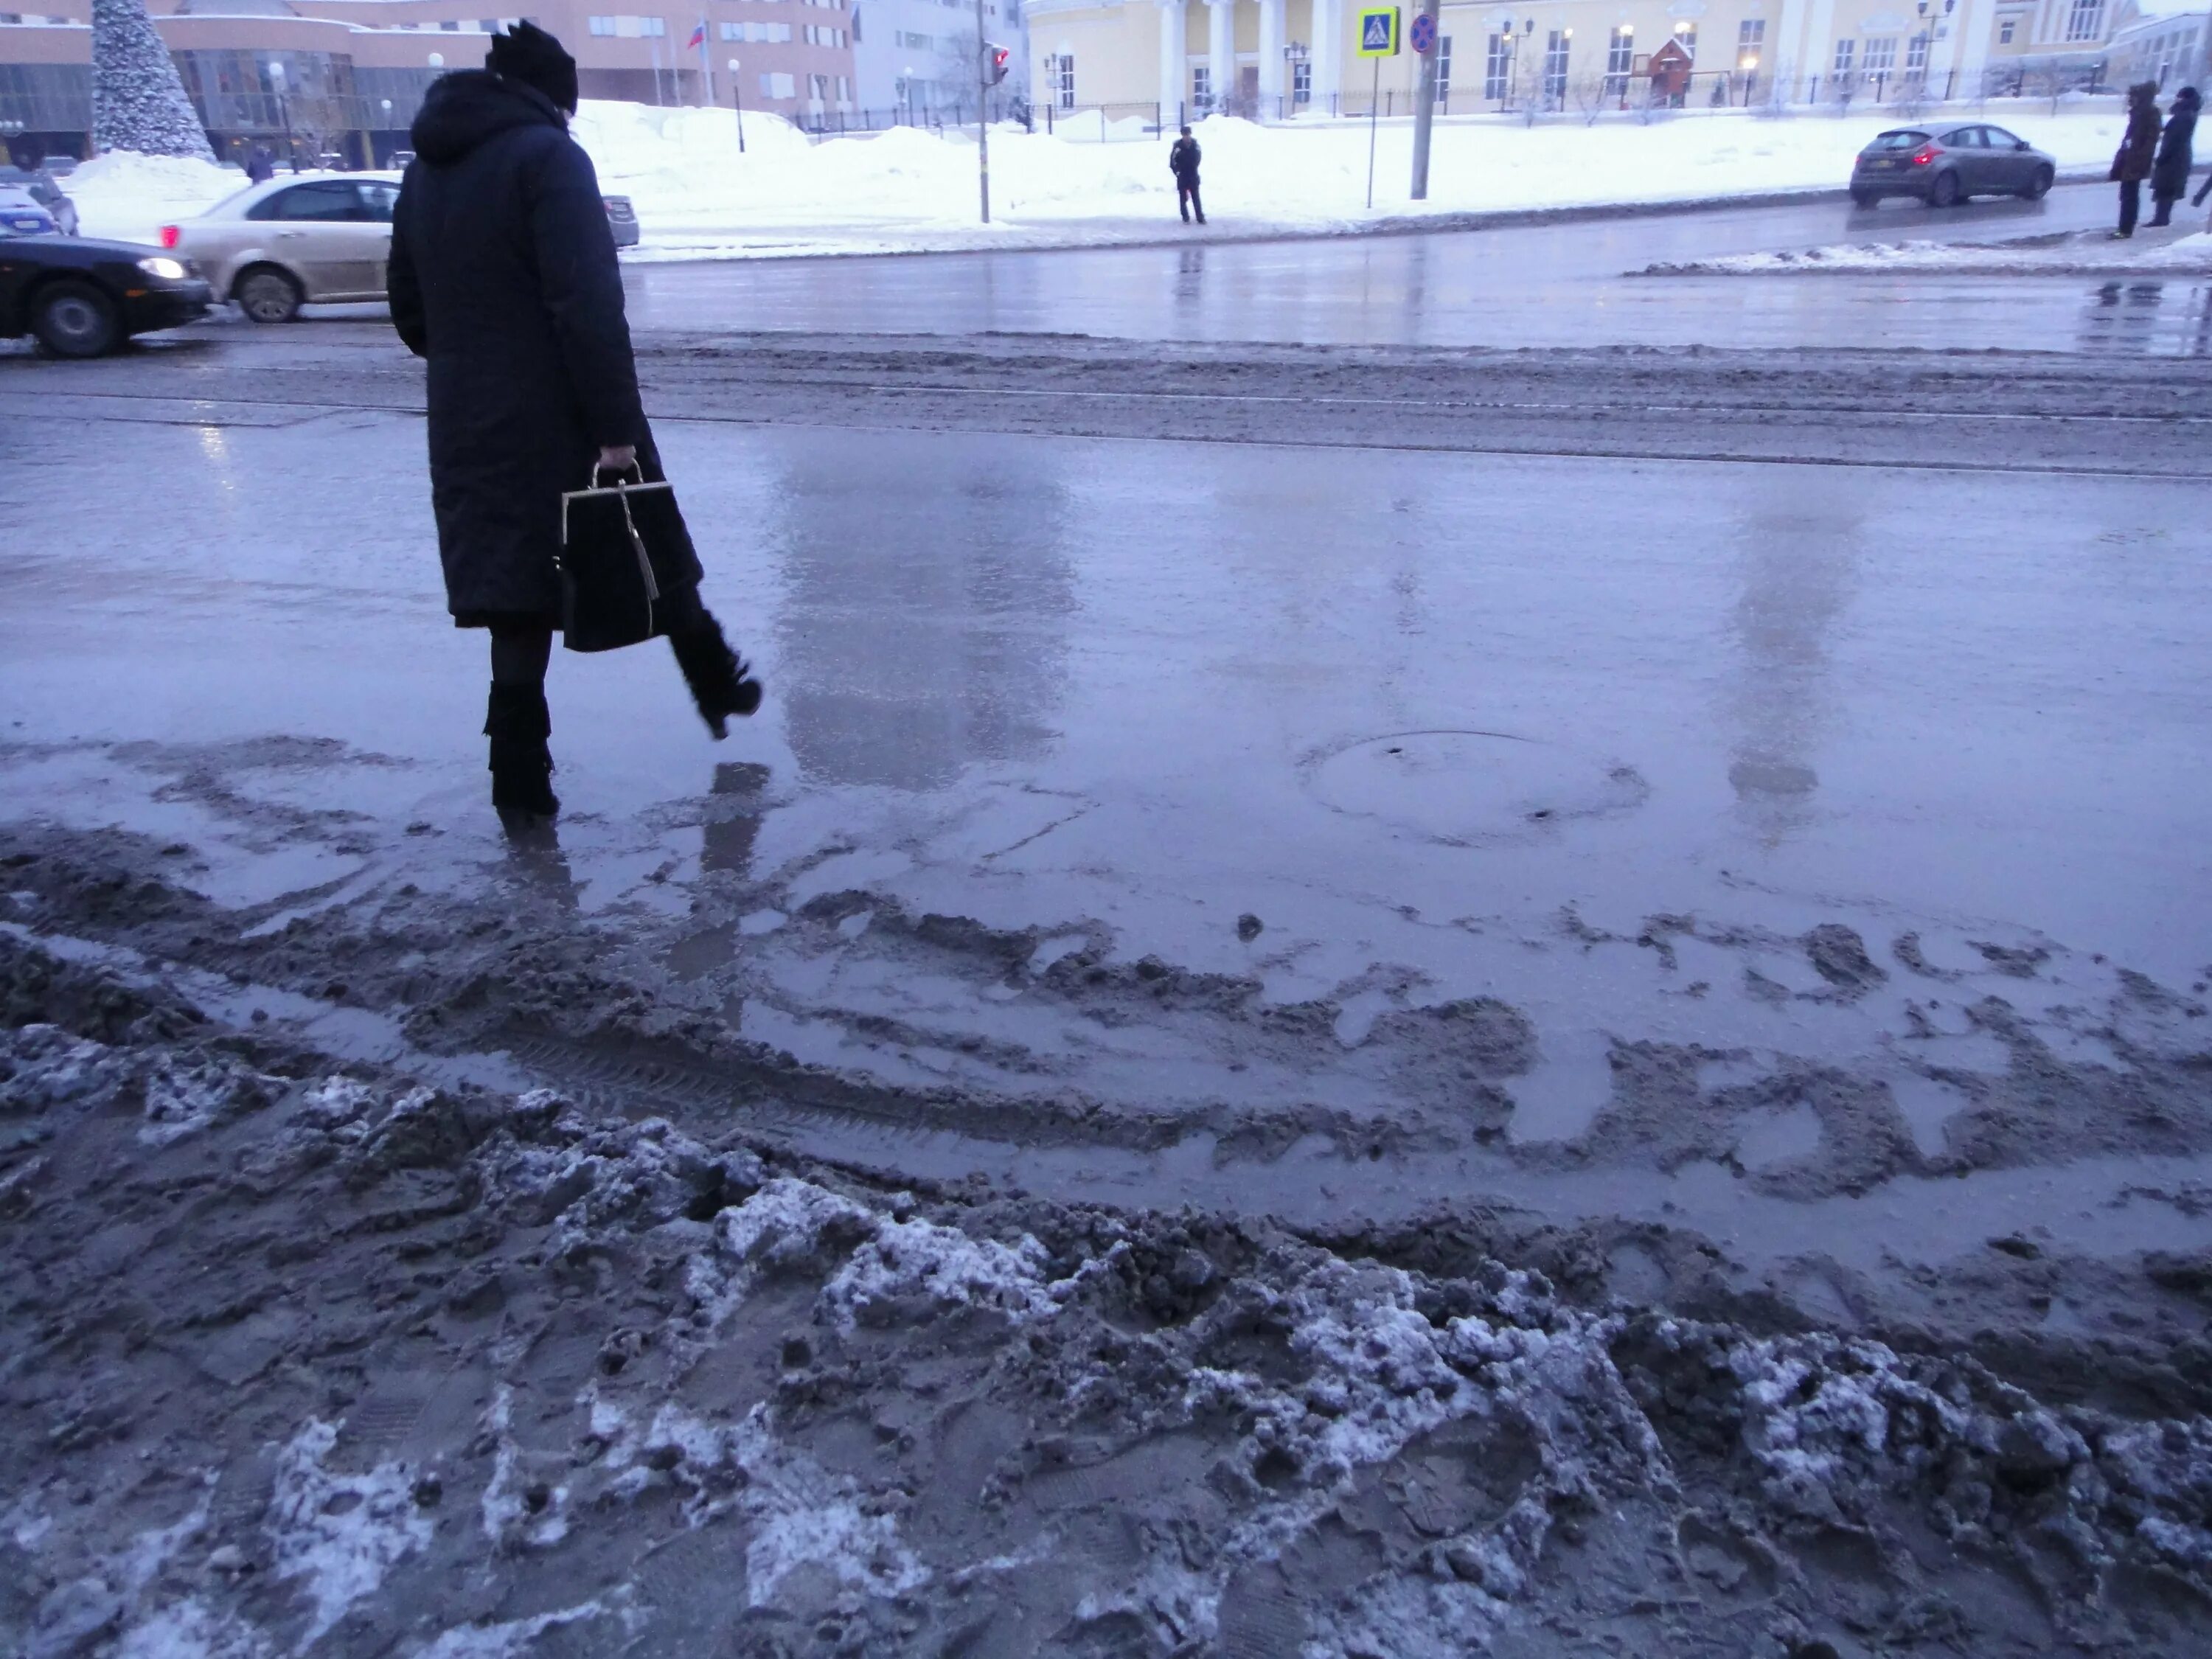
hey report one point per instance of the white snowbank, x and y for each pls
(129, 196)
(909, 190)
(2090, 253)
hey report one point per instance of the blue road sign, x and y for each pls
(1378, 32)
(1422, 35)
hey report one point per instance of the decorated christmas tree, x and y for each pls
(138, 102)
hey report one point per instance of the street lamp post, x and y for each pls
(737, 103)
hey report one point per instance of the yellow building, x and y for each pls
(1174, 60)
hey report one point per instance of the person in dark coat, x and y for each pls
(2131, 163)
(1183, 162)
(503, 275)
(2169, 173)
(260, 165)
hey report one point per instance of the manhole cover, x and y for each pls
(1466, 787)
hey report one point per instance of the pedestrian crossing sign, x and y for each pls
(1378, 32)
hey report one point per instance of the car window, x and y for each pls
(378, 201)
(325, 199)
(1999, 139)
(1964, 139)
(1899, 140)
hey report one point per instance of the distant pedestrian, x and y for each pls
(1183, 162)
(2169, 174)
(503, 275)
(2132, 161)
(260, 165)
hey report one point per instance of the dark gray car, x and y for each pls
(1946, 164)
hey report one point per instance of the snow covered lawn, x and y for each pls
(2181, 251)
(910, 191)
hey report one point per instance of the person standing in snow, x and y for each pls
(502, 275)
(1183, 162)
(2169, 174)
(260, 165)
(2131, 163)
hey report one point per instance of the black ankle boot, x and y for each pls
(518, 723)
(721, 683)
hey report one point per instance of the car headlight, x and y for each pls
(167, 270)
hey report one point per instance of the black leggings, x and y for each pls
(521, 651)
(2131, 204)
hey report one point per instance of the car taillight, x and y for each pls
(1923, 156)
(171, 236)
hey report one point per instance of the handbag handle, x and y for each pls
(636, 467)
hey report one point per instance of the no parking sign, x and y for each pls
(1422, 36)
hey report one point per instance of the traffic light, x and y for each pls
(995, 58)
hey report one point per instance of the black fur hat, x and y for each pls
(528, 54)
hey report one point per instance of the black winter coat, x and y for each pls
(503, 275)
(1182, 158)
(2169, 174)
(2133, 160)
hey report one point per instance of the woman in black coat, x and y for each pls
(503, 275)
(2131, 163)
(2169, 174)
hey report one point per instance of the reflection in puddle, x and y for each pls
(2141, 318)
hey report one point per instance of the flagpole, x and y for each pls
(705, 69)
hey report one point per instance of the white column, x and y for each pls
(1172, 55)
(1328, 44)
(1969, 45)
(1784, 55)
(1271, 57)
(1221, 51)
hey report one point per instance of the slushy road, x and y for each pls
(1561, 283)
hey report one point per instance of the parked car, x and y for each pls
(21, 216)
(82, 298)
(1947, 164)
(622, 219)
(325, 240)
(45, 191)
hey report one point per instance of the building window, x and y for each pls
(1620, 61)
(1555, 46)
(1444, 68)
(1686, 36)
(1881, 58)
(1847, 52)
(2087, 20)
(1302, 83)
(606, 25)
(1497, 68)
(1201, 88)
(1067, 81)
(916, 42)
(1915, 52)
(2004, 33)
(778, 84)
(844, 90)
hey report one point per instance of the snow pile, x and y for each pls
(2086, 254)
(128, 197)
(339, 1533)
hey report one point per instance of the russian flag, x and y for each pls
(698, 37)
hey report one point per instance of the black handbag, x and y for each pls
(625, 553)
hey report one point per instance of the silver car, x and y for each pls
(1946, 164)
(323, 239)
(45, 191)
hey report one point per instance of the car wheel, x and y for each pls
(2039, 186)
(1945, 192)
(75, 319)
(267, 296)
(1866, 199)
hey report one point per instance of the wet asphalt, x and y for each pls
(1561, 283)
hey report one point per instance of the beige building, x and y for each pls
(345, 77)
(1281, 59)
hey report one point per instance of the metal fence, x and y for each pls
(932, 118)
